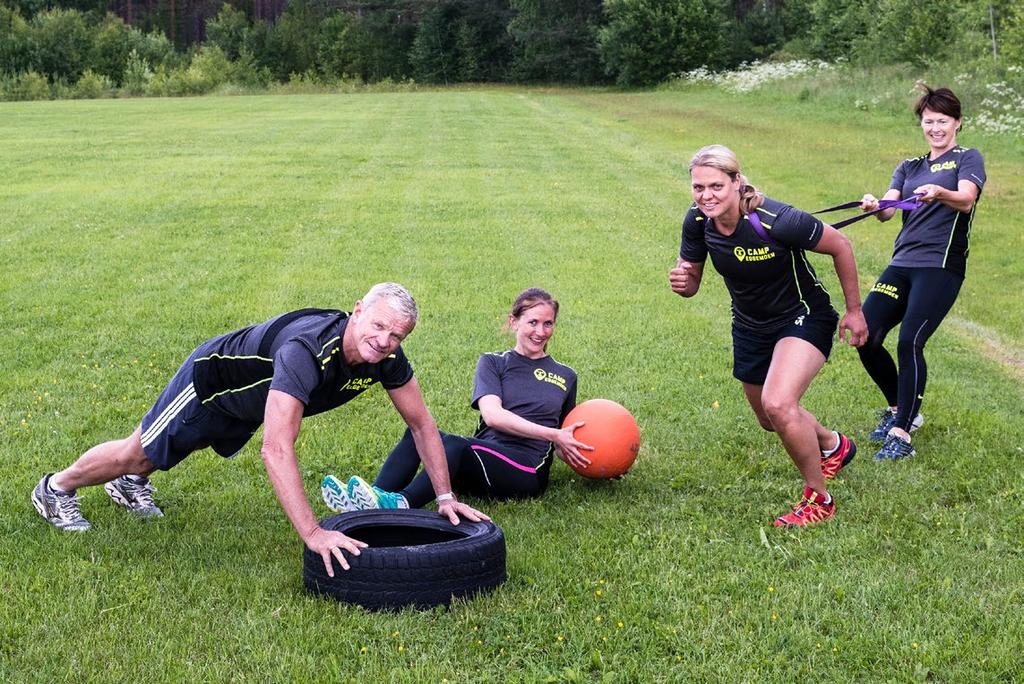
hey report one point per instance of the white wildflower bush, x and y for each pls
(747, 77)
(1002, 106)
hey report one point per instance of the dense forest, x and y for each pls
(182, 46)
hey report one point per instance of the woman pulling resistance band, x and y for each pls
(927, 269)
(783, 320)
(523, 396)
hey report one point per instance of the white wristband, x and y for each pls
(445, 497)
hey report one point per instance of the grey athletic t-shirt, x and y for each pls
(542, 391)
(935, 235)
(305, 360)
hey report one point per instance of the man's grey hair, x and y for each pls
(397, 297)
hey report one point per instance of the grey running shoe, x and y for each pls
(60, 509)
(887, 418)
(134, 493)
(895, 448)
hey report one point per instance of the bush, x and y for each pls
(137, 74)
(431, 54)
(113, 41)
(60, 89)
(483, 45)
(62, 42)
(159, 85)
(209, 69)
(926, 36)
(759, 34)
(292, 38)
(341, 46)
(15, 42)
(645, 41)
(833, 27)
(227, 31)
(387, 39)
(303, 84)
(385, 85)
(157, 50)
(30, 85)
(1012, 36)
(92, 86)
(556, 40)
(459, 41)
(748, 77)
(245, 72)
(467, 52)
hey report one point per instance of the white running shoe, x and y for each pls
(134, 493)
(60, 509)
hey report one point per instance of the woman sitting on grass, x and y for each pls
(783, 320)
(523, 396)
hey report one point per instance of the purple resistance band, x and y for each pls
(908, 204)
(755, 221)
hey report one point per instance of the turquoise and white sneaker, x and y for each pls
(335, 495)
(365, 496)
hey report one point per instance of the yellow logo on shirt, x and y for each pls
(547, 376)
(951, 164)
(357, 384)
(753, 253)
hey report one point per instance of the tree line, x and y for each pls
(184, 45)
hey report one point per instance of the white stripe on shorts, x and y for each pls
(168, 414)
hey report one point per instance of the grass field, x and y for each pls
(132, 230)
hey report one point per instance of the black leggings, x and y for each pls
(479, 467)
(918, 299)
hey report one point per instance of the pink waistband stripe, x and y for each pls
(503, 457)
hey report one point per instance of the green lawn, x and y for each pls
(132, 230)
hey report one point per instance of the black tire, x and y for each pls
(414, 558)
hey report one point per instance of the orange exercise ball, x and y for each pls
(612, 431)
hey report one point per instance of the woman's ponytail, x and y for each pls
(750, 197)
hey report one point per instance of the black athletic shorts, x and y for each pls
(752, 349)
(178, 424)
